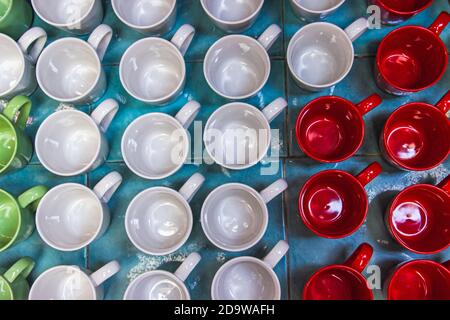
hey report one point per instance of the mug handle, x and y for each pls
(277, 254)
(106, 188)
(268, 37)
(23, 268)
(188, 266)
(360, 258)
(33, 42)
(32, 197)
(182, 39)
(369, 103)
(357, 28)
(21, 105)
(370, 173)
(191, 187)
(444, 103)
(445, 185)
(100, 39)
(188, 113)
(104, 114)
(105, 272)
(274, 109)
(275, 189)
(440, 23)
(447, 265)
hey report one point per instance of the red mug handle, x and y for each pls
(440, 23)
(444, 103)
(445, 185)
(369, 103)
(360, 258)
(447, 265)
(370, 173)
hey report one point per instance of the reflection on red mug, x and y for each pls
(397, 11)
(416, 136)
(333, 203)
(419, 218)
(331, 129)
(419, 280)
(412, 58)
(342, 282)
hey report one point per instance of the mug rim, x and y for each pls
(8, 11)
(61, 25)
(232, 23)
(19, 222)
(188, 211)
(22, 57)
(404, 13)
(336, 6)
(50, 47)
(14, 133)
(47, 122)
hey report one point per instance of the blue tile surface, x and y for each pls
(308, 252)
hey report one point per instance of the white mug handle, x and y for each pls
(188, 113)
(357, 28)
(274, 109)
(33, 42)
(188, 266)
(275, 189)
(268, 37)
(100, 39)
(191, 187)
(104, 114)
(277, 253)
(183, 38)
(106, 188)
(104, 273)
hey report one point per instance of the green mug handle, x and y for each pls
(16, 104)
(32, 196)
(22, 267)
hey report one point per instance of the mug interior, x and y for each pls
(318, 5)
(232, 10)
(10, 219)
(159, 221)
(143, 13)
(237, 66)
(68, 142)
(405, 6)
(63, 12)
(69, 217)
(12, 65)
(152, 69)
(234, 217)
(68, 69)
(157, 285)
(320, 54)
(8, 143)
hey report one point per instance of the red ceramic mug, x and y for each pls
(331, 129)
(397, 11)
(419, 280)
(333, 204)
(342, 282)
(416, 136)
(419, 218)
(412, 58)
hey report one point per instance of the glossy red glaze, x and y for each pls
(331, 129)
(419, 280)
(342, 282)
(396, 11)
(333, 204)
(412, 58)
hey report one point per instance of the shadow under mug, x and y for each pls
(16, 17)
(13, 282)
(397, 11)
(342, 282)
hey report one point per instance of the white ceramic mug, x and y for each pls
(17, 66)
(75, 16)
(234, 216)
(159, 220)
(237, 67)
(72, 216)
(72, 283)
(320, 55)
(163, 285)
(153, 70)
(313, 10)
(233, 15)
(70, 69)
(153, 17)
(70, 143)
(238, 136)
(156, 145)
(248, 278)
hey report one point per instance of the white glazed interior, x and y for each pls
(68, 142)
(318, 6)
(143, 13)
(159, 221)
(237, 66)
(12, 64)
(229, 11)
(62, 12)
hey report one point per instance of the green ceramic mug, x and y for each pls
(13, 282)
(16, 17)
(16, 216)
(16, 149)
